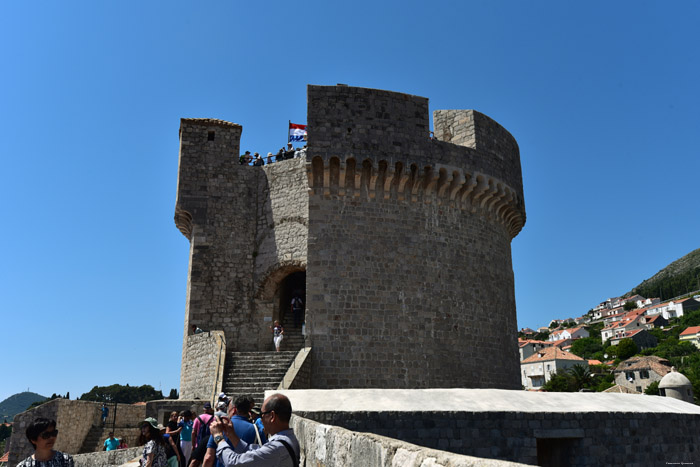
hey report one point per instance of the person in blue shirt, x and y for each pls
(281, 450)
(111, 443)
(105, 414)
(239, 414)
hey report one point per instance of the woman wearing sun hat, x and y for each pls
(154, 454)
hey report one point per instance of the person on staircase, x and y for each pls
(277, 335)
(297, 310)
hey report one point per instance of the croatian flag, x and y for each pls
(297, 132)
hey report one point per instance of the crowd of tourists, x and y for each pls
(237, 433)
(283, 154)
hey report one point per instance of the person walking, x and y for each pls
(277, 335)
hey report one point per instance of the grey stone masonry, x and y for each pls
(403, 242)
(409, 277)
(203, 360)
(331, 446)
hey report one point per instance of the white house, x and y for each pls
(570, 333)
(674, 308)
(538, 368)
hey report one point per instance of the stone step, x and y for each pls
(255, 372)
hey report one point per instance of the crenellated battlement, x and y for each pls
(451, 187)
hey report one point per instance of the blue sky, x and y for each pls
(601, 96)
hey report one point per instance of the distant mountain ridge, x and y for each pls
(678, 278)
(18, 403)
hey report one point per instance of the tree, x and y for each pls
(586, 347)
(626, 349)
(581, 376)
(122, 394)
(628, 306)
(561, 381)
(652, 389)
(173, 394)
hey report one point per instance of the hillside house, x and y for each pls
(561, 343)
(632, 320)
(637, 373)
(527, 347)
(692, 335)
(641, 337)
(674, 308)
(656, 321)
(538, 368)
(608, 312)
(571, 333)
(647, 302)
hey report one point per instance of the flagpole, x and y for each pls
(288, 127)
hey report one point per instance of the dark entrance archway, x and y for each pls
(294, 285)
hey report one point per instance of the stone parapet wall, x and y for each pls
(202, 369)
(583, 439)
(299, 374)
(107, 458)
(331, 446)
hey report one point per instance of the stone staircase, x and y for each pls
(293, 338)
(94, 441)
(255, 372)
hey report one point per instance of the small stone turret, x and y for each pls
(676, 385)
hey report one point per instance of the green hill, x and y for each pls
(18, 403)
(678, 278)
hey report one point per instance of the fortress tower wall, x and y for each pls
(409, 278)
(247, 231)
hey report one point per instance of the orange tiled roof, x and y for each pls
(551, 353)
(690, 331)
(524, 342)
(5, 457)
(595, 362)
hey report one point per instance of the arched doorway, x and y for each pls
(293, 286)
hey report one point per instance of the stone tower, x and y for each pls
(400, 242)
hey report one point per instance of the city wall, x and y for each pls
(332, 446)
(577, 429)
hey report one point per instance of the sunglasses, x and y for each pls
(49, 434)
(265, 413)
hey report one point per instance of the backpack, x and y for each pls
(204, 432)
